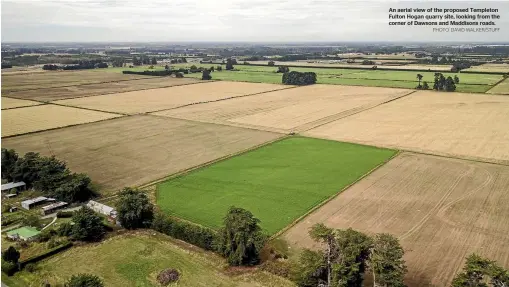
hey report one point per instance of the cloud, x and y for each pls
(207, 20)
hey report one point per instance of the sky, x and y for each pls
(226, 20)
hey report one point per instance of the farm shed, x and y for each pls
(11, 185)
(27, 204)
(102, 209)
(24, 233)
(48, 209)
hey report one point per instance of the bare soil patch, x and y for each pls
(167, 98)
(291, 109)
(9, 103)
(26, 81)
(69, 92)
(441, 209)
(44, 117)
(134, 150)
(453, 124)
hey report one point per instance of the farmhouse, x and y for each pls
(11, 185)
(27, 204)
(48, 209)
(23, 233)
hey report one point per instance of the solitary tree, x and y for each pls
(154, 61)
(450, 86)
(241, 238)
(134, 209)
(425, 85)
(11, 255)
(419, 77)
(206, 75)
(84, 280)
(387, 262)
(271, 63)
(456, 79)
(229, 64)
(87, 225)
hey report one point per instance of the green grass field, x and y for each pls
(278, 183)
(135, 260)
(470, 83)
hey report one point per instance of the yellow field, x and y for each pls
(499, 68)
(290, 109)
(502, 88)
(456, 124)
(167, 98)
(9, 103)
(38, 118)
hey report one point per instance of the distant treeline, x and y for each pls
(82, 65)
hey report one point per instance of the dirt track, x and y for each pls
(441, 209)
(463, 125)
(135, 150)
(291, 109)
(166, 98)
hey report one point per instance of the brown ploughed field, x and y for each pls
(60, 93)
(135, 150)
(29, 81)
(472, 126)
(291, 109)
(167, 98)
(44, 117)
(441, 209)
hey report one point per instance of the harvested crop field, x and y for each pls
(494, 68)
(18, 82)
(290, 109)
(502, 88)
(278, 182)
(441, 210)
(445, 68)
(453, 124)
(44, 117)
(167, 98)
(60, 93)
(9, 103)
(134, 150)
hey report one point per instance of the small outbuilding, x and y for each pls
(27, 204)
(24, 233)
(104, 209)
(11, 185)
(48, 209)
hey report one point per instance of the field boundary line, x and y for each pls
(496, 84)
(224, 99)
(428, 153)
(57, 128)
(226, 124)
(13, 108)
(202, 165)
(88, 109)
(327, 200)
(357, 112)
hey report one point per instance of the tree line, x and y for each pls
(46, 174)
(440, 83)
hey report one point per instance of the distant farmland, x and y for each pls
(278, 183)
(472, 83)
